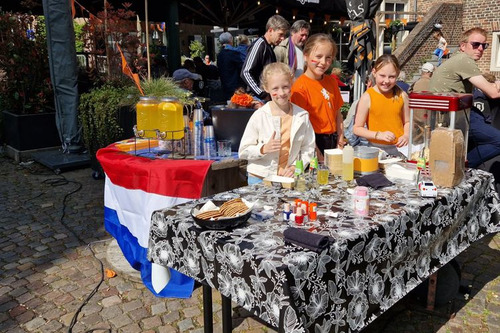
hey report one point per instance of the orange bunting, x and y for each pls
(73, 10)
(127, 71)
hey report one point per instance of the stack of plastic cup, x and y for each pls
(187, 136)
(209, 144)
(198, 133)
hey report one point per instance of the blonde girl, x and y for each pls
(319, 93)
(278, 131)
(384, 109)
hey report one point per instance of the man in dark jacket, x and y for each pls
(261, 53)
(229, 63)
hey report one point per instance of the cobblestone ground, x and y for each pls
(47, 270)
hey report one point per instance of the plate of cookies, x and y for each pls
(219, 215)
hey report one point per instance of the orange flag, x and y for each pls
(73, 10)
(127, 71)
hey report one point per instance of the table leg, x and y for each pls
(208, 314)
(227, 320)
(431, 292)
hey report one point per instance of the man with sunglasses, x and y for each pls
(461, 74)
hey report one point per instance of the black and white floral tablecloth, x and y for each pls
(373, 262)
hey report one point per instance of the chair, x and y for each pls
(229, 124)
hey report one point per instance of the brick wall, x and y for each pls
(484, 14)
(417, 48)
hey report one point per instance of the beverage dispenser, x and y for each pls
(430, 111)
(171, 119)
(147, 117)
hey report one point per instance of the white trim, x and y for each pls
(495, 52)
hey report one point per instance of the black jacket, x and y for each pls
(229, 63)
(259, 55)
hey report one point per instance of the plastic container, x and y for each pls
(347, 163)
(147, 116)
(365, 160)
(197, 138)
(171, 120)
(361, 201)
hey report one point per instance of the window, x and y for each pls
(495, 52)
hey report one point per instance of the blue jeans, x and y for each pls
(484, 138)
(439, 53)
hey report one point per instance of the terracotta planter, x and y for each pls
(30, 131)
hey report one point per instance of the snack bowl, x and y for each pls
(220, 223)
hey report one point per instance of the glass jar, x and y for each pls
(171, 119)
(147, 116)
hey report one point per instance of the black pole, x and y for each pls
(173, 44)
(207, 309)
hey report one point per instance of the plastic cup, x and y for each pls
(224, 148)
(322, 175)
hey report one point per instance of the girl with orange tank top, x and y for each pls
(383, 114)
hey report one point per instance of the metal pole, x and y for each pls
(147, 39)
(108, 62)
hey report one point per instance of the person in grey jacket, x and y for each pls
(289, 50)
(277, 133)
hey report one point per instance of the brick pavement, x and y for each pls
(47, 269)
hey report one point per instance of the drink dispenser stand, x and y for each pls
(429, 111)
(161, 120)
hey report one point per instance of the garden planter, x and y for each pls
(30, 131)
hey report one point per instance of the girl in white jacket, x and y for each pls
(278, 131)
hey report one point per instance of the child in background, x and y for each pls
(384, 109)
(277, 132)
(441, 46)
(319, 93)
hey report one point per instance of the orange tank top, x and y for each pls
(386, 114)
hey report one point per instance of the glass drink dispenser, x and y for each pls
(171, 122)
(147, 117)
(429, 111)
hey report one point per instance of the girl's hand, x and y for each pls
(402, 141)
(387, 136)
(288, 172)
(272, 145)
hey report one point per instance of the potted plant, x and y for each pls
(26, 97)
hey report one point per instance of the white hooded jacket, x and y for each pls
(259, 130)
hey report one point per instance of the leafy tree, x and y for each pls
(197, 49)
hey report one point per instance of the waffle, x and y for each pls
(229, 208)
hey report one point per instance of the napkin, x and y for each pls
(312, 241)
(374, 180)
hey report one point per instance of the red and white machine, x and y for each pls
(429, 111)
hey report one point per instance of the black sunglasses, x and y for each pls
(475, 45)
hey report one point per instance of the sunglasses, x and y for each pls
(475, 45)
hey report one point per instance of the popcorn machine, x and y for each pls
(430, 111)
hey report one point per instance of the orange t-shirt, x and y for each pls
(386, 114)
(321, 98)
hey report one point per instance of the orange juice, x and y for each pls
(171, 120)
(147, 115)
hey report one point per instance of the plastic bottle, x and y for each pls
(198, 133)
(313, 170)
(147, 116)
(171, 120)
(361, 201)
(299, 166)
(313, 211)
(347, 163)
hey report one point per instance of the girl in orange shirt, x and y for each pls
(384, 109)
(319, 93)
